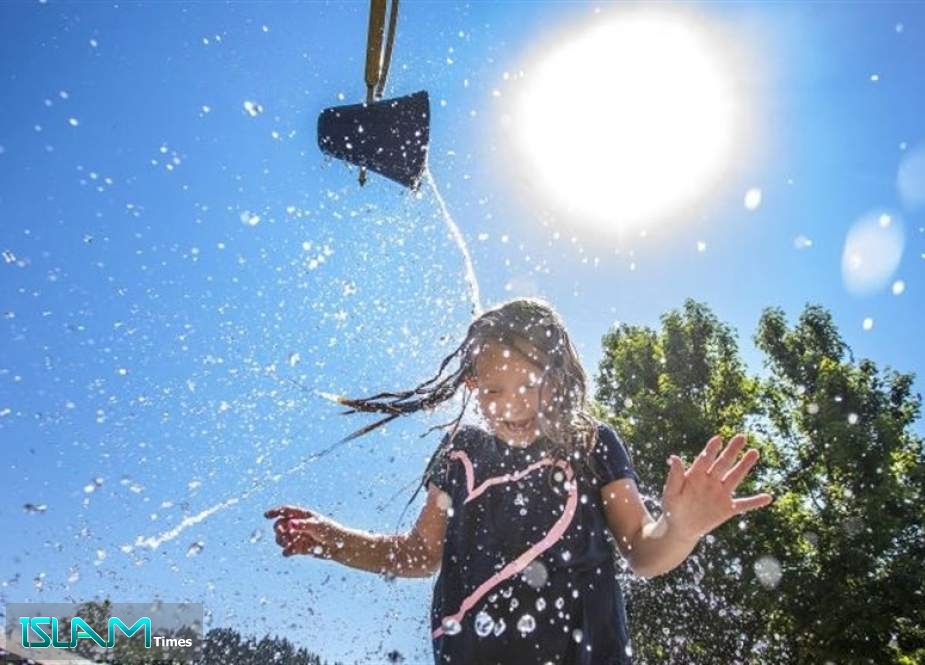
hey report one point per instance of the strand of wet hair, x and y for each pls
(403, 403)
(407, 393)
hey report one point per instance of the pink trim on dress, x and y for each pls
(522, 561)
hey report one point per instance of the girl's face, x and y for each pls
(507, 388)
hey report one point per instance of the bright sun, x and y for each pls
(628, 122)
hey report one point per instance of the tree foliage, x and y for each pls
(832, 570)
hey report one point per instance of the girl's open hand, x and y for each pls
(303, 531)
(699, 499)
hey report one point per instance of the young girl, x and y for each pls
(519, 514)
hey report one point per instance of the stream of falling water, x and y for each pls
(471, 280)
(472, 285)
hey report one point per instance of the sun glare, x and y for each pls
(627, 122)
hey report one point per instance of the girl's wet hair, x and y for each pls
(528, 326)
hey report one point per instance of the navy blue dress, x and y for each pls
(528, 574)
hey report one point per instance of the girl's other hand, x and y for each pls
(303, 531)
(700, 498)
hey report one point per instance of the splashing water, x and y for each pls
(484, 624)
(155, 541)
(526, 624)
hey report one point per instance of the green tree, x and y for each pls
(851, 516)
(787, 583)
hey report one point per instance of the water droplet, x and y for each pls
(752, 198)
(535, 574)
(250, 218)
(697, 569)
(253, 109)
(526, 624)
(484, 624)
(768, 571)
(451, 626)
(499, 627)
(802, 242)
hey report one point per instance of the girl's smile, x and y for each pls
(522, 430)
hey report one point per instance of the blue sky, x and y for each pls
(148, 333)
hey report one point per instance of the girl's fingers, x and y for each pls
(675, 479)
(298, 544)
(706, 458)
(728, 457)
(737, 473)
(299, 531)
(292, 523)
(284, 539)
(311, 524)
(287, 512)
(292, 547)
(304, 544)
(751, 503)
(283, 526)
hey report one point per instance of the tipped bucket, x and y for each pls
(390, 136)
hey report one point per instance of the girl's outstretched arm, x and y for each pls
(414, 554)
